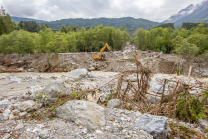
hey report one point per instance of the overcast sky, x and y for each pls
(50, 10)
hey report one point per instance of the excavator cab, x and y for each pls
(102, 56)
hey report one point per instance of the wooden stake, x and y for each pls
(190, 68)
(162, 95)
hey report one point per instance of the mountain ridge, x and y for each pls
(129, 23)
(189, 14)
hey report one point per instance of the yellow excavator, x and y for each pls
(102, 56)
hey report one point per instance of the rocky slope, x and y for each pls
(189, 14)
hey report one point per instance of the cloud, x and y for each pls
(49, 10)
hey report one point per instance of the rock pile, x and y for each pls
(77, 118)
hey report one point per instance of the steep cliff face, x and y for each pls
(181, 14)
(190, 13)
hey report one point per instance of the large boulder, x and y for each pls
(155, 125)
(28, 106)
(5, 103)
(88, 114)
(35, 89)
(32, 93)
(52, 91)
(76, 74)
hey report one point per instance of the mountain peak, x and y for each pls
(190, 10)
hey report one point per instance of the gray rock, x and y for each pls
(5, 103)
(6, 114)
(152, 98)
(52, 91)
(19, 126)
(28, 106)
(35, 90)
(76, 74)
(32, 93)
(6, 136)
(155, 125)
(15, 79)
(91, 69)
(44, 134)
(22, 114)
(84, 113)
(156, 86)
(115, 103)
(203, 123)
(1, 117)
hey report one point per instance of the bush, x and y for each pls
(186, 49)
(190, 108)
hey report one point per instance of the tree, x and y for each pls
(186, 49)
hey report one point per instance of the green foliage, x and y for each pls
(31, 26)
(47, 41)
(168, 40)
(188, 25)
(130, 60)
(17, 42)
(167, 25)
(110, 96)
(205, 56)
(180, 130)
(6, 25)
(186, 49)
(190, 108)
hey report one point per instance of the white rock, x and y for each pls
(6, 136)
(6, 114)
(19, 126)
(99, 132)
(5, 103)
(28, 106)
(44, 134)
(115, 103)
(93, 98)
(76, 74)
(53, 90)
(84, 113)
(22, 114)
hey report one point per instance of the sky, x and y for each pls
(51, 10)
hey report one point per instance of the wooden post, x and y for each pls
(189, 75)
(127, 88)
(117, 95)
(162, 95)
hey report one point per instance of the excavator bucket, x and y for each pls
(97, 57)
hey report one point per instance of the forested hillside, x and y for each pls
(129, 23)
(30, 26)
(188, 43)
(31, 37)
(18, 19)
(48, 41)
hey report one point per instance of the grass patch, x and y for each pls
(181, 131)
(130, 60)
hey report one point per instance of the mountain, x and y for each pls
(129, 23)
(18, 19)
(192, 13)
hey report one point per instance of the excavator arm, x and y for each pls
(106, 45)
(100, 57)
